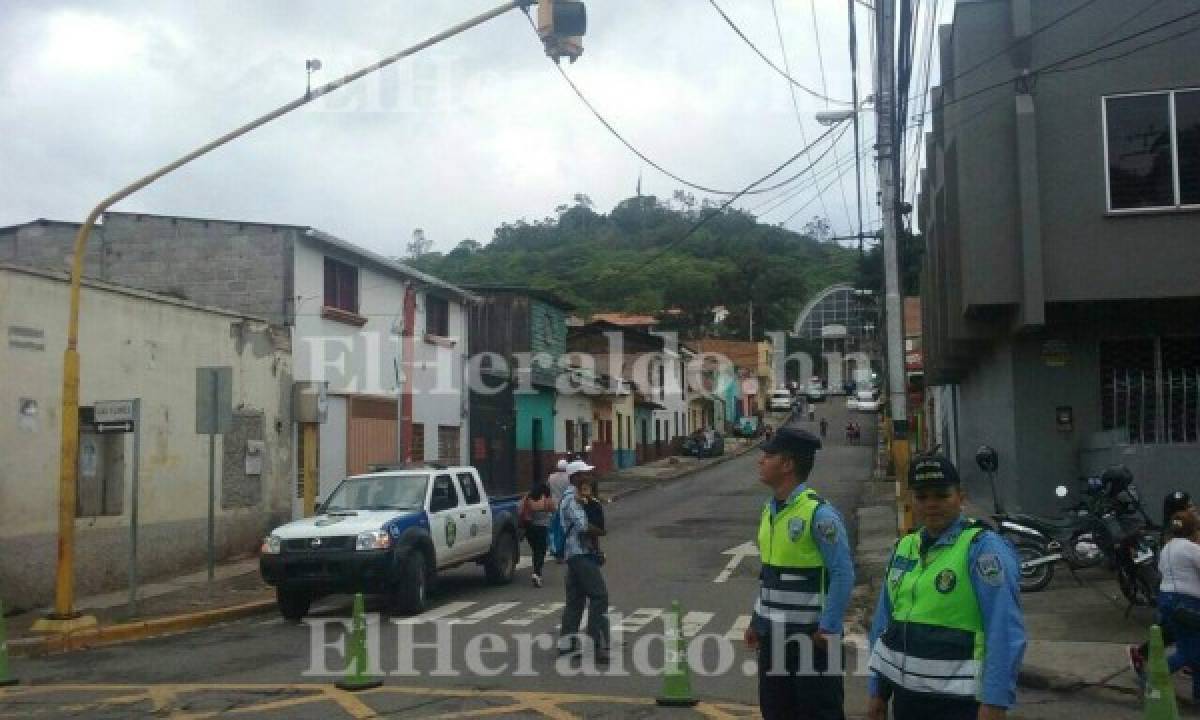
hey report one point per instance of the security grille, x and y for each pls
(1151, 389)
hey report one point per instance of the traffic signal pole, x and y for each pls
(885, 94)
(64, 618)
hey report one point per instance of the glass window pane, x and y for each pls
(1139, 152)
(1187, 127)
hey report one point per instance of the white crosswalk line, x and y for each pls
(484, 614)
(535, 614)
(524, 563)
(638, 620)
(738, 631)
(272, 621)
(694, 622)
(436, 614)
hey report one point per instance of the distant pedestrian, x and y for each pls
(558, 483)
(537, 509)
(585, 584)
(824, 428)
(1179, 598)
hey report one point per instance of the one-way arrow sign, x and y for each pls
(746, 549)
(115, 427)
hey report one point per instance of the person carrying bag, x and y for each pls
(534, 517)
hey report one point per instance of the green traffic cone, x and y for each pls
(677, 682)
(5, 678)
(1160, 690)
(356, 671)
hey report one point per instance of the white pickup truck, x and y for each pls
(389, 533)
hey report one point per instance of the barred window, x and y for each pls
(417, 442)
(1151, 388)
(448, 445)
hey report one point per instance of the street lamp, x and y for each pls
(64, 618)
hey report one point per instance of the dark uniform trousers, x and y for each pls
(807, 691)
(908, 705)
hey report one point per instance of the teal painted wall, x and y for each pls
(539, 404)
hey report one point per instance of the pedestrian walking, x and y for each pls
(558, 483)
(1179, 598)
(824, 428)
(537, 508)
(948, 634)
(1174, 503)
(585, 582)
(805, 585)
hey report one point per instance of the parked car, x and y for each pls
(815, 391)
(699, 446)
(780, 400)
(851, 402)
(864, 401)
(390, 533)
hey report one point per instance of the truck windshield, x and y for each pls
(379, 492)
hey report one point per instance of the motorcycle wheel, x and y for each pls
(1033, 579)
(1139, 584)
(1081, 561)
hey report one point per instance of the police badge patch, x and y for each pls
(946, 580)
(990, 570)
(795, 528)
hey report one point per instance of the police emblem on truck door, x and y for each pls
(451, 532)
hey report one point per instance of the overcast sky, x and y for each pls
(472, 133)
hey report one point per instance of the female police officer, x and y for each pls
(806, 581)
(948, 634)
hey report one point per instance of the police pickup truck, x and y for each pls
(390, 532)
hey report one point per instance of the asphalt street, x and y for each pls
(666, 544)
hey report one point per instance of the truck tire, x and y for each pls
(293, 603)
(411, 595)
(501, 563)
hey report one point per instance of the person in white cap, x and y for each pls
(558, 483)
(585, 583)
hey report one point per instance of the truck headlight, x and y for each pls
(376, 540)
(271, 545)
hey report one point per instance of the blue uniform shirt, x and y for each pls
(1000, 605)
(829, 532)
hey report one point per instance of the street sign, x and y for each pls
(113, 411)
(214, 400)
(125, 426)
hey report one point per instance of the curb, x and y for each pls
(128, 632)
(668, 480)
(1038, 678)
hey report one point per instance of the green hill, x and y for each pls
(632, 260)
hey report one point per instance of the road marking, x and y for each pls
(746, 549)
(638, 620)
(524, 563)
(484, 614)
(537, 613)
(738, 631)
(435, 614)
(694, 622)
(272, 621)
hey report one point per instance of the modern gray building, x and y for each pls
(1060, 207)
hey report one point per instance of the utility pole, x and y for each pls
(885, 94)
(854, 117)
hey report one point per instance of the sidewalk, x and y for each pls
(620, 483)
(177, 604)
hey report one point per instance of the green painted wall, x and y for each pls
(539, 404)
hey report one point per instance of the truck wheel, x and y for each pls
(293, 603)
(411, 595)
(501, 562)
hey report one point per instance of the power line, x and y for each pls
(793, 191)
(792, 88)
(628, 145)
(812, 6)
(729, 21)
(837, 170)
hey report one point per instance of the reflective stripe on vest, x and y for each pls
(792, 583)
(934, 642)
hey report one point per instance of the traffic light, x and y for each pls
(561, 25)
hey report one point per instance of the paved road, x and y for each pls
(666, 545)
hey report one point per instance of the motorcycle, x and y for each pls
(1041, 542)
(1130, 539)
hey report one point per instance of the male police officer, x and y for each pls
(806, 580)
(948, 634)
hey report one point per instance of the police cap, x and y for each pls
(932, 471)
(792, 440)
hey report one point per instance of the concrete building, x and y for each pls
(350, 312)
(135, 344)
(1059, 288)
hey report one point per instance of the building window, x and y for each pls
(585, 433)
(570, 432)
(417, 444)
(448, 444)
(437, 316)
(1152, 147)
(1151, 389)
(341, 286)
